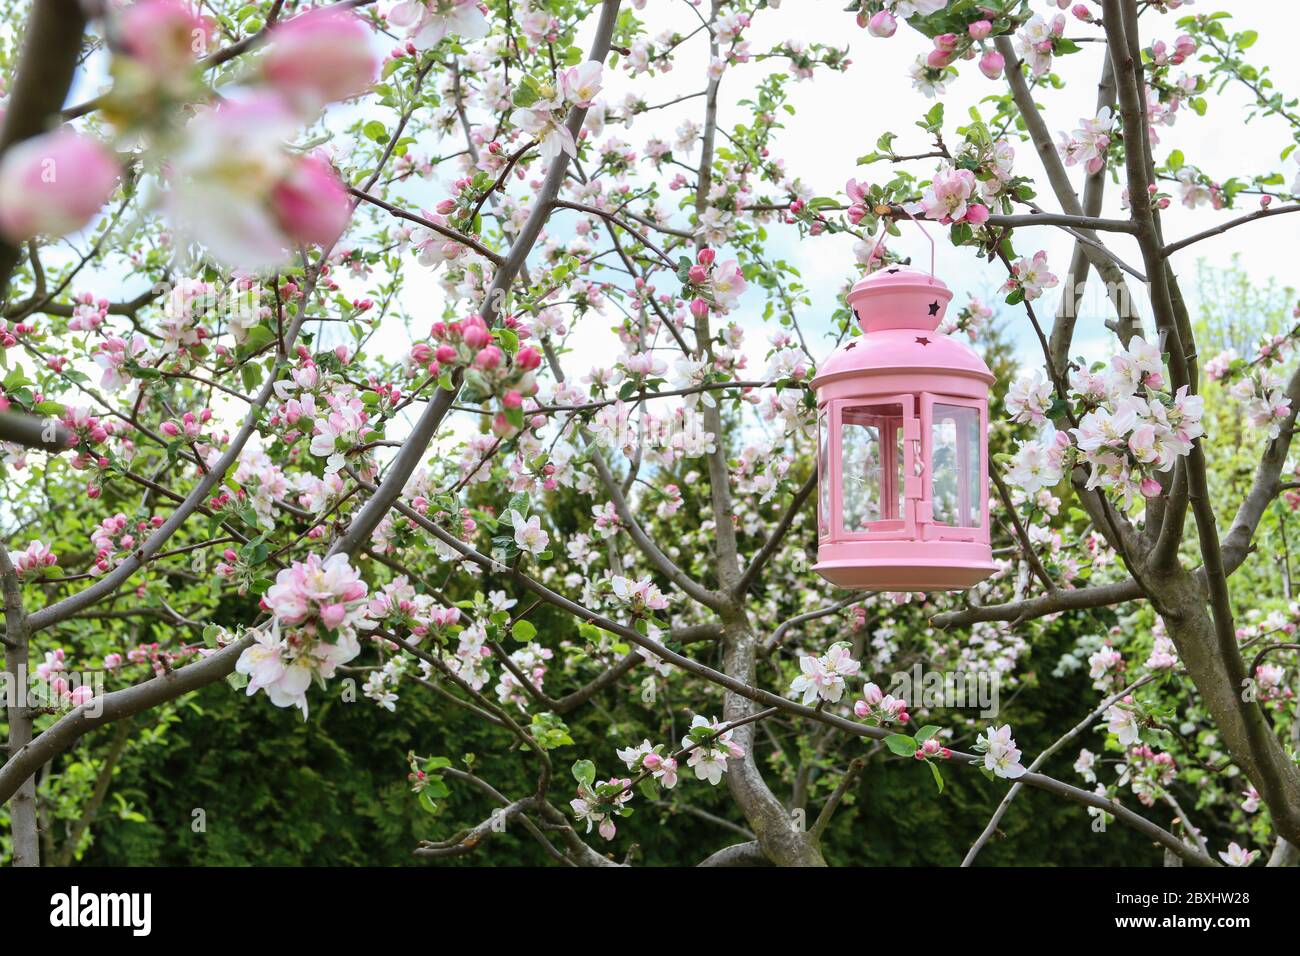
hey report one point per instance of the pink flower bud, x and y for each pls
(488, 357)
(476, 334)
(977, 214)
(979, 29)
(991, 64)
(446, 207)
(699, 308)
(698, 274)
(332, 615)
(311, 204)
(706, 257)
(946, 42)
(528, 358)
(445, 354)
(938, 59)
(1081, 12)
(512, 399)
(882, 24)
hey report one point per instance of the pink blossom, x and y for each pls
(320, 56)
(728, 283)
(35, 557)
(164, 35)
(331, 590)
(428, 21)
(53, 184)
(945, 199)
(580, 84)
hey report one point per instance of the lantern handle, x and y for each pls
(884, 234)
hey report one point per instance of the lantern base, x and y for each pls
(962, 565)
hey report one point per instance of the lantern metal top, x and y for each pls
(899, 311)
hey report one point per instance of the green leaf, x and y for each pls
(426, 801)
(938, 777)
(901, 744)
(523, 631)
(584, 771)
(926, 732)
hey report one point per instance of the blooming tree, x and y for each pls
(242, 444)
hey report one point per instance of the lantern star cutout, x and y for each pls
(922, 340)
(934, 308)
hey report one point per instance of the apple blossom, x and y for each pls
(1236, 856)
(548, 129)
(728, 283)
(238, 191)
(429, 21)
(823, 677)
(1029, 398)
(1029, 276)
(1001, 756)
(529, 535)
(641, 595)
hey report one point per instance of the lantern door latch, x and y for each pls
(915, 462)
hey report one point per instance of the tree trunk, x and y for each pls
(1224, 687)
(22, 808)
(781, 841)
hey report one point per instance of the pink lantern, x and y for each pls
(902, 459)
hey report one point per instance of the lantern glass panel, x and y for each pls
(871, 467)
(823, 475)
(956, 466)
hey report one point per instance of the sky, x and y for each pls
(838, 116)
